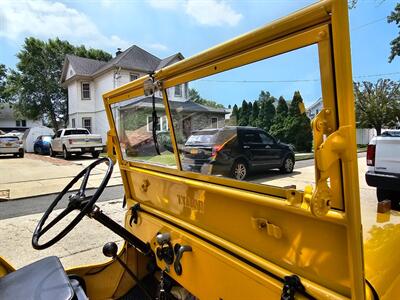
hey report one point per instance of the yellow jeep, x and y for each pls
(192, 233)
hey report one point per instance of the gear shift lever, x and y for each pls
(110, 249)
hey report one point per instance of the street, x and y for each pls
(83, 245)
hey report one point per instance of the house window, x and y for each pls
(20, 123)
(87, 123)
(73, 123)
(150, 124)
(214, 122)
(133, 76)
(85, 90)
(178, 91)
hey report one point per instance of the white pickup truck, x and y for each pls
(383, 161)
(75, 141)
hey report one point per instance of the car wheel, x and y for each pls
(39, 151)
(21, 154)
(51, 152)
(34, 150)
(95, 154)
(239, 170)
(15, 155)
(288, 165)
(66, 154)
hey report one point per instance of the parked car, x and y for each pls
(11, 145)
(42, 144)
(75, 141)
(383, 161)
(236, 151)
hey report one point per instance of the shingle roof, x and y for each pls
(133, 58)
(186, 106)
(84, 66)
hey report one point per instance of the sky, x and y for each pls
(190, 26)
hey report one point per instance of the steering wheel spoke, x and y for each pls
(57, 219)
(78, 201)
(85, 179)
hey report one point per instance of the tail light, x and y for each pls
(216, 149)
(371, 155)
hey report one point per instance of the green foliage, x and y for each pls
(377, 104)
(282, 107)
(255, 114)
(291, 126)
(235, 116)
(3, 78)
(395, 43)
(195, 97)
(35, 87)
(244, 114)
(267, 111)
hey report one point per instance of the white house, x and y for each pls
(88, 79)
(8, 121)
(314, 108)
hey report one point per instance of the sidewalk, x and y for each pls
(83, 245)
(39, 175)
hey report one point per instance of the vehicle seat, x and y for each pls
(41, 280)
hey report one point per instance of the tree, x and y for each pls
(255, 114)
(3, 77)
(377, 105)
(34, 87)
(282, 107)
(267, 113)
(395, 43)
(294, 108)
(235, 115)
(244, 114)
(195, 97)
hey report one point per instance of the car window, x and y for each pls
(46, 138)
(251, 138)
(266, 139)
(75, 131)
(58, 134)
(202, 137)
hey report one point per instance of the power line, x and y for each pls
(369, 23)
(291, 80)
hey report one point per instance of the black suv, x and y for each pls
(235, 151)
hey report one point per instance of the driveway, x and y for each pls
(36, 175)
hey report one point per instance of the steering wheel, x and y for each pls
(76, 201)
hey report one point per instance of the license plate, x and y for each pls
(194, 151)
(86, 149)
(8, 144)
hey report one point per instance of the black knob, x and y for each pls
(110, 249)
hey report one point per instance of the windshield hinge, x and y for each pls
(330, 148)
(150, 86)
(291, 285)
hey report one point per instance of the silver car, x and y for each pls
(11, 145)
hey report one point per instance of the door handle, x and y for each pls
(246, 147)
(179, 250)
(267, 147)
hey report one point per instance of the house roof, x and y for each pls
(84, 66)
(180, 106)
(133, 58)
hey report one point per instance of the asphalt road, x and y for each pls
(33, 205)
